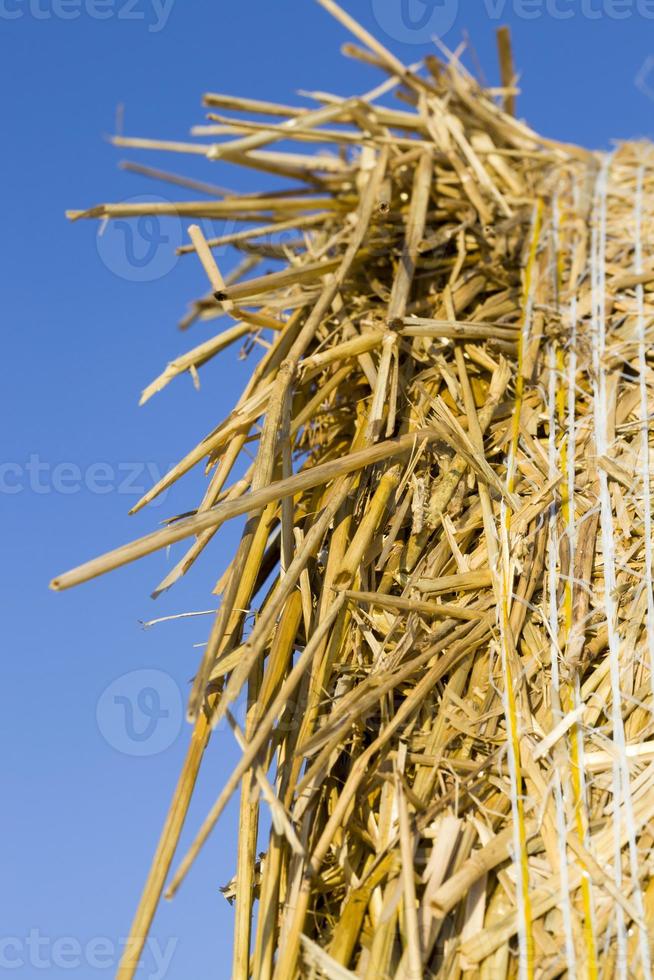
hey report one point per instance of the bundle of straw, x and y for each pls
(441, 606)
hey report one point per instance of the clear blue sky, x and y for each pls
(81, 338)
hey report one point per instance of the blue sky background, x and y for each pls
(81, 338)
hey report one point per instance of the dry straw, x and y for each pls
(441, 605)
